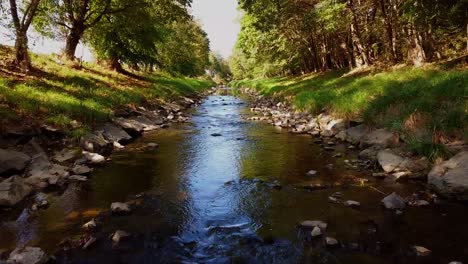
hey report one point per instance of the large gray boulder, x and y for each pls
(113, 133)
(27, 255)
(450, 178)
(380, 137)
(12, 161)
(132, 126)
(148, 125)
(53, 174)
(334, 126)
(13, 190)
(355, 134)
(95, 142)
(389, 161)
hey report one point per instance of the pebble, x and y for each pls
(90, 225)
(393, 201)
(312, 173)
(420, 203)
(379, 175)
(119, 235)
(152, 146)
(314, 223)
(352, 204)
(421, 251)
(91, 240)
(331, 242)
(316, 232)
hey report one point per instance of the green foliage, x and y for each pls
(63, 96)
(428, 148)
(152, 34)
(295, 37)
(219, 68)
(388, 98)
(185, 50)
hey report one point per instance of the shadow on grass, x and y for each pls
(88, 96)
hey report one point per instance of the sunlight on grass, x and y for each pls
(385, 99)
(61, 95)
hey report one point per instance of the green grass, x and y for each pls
(63, 96)
(428, 103)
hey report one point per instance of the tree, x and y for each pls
(74, 18)
(132, 36)
(21, 25)
(282, 37)
(185, 50)
(218, 67)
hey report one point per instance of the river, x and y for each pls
(224, 190)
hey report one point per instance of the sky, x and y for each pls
(218, 18)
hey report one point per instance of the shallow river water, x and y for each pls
(237, 198)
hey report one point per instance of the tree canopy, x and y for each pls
(293, 37)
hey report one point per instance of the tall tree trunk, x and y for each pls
(416, 53)
(361, 53)
(114, 64)
(389, 31)
(21, 51)
(70, 45)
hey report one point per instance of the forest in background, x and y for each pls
(143, 35)
(283, 37)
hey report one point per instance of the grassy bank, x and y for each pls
(62, 96)
(427, 105)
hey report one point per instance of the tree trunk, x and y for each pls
(70, 46)
(114, 64)
(22, 59)
(389, 31)
(360, 51)
(416, 52)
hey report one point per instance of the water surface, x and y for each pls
(236, 198)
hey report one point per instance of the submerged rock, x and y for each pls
(450, 178)
(352, 204)
(27, 255)
(152, 146)
(119, 235)
(120, 208)
(331, 242)
(394, 201)
(12, 161)
(13, 190)
(314, 223)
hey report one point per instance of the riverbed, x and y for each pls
(224, 190)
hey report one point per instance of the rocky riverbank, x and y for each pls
(45, 159)
(33, 164)
(381, 147)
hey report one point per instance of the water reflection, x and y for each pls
(234, 197)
